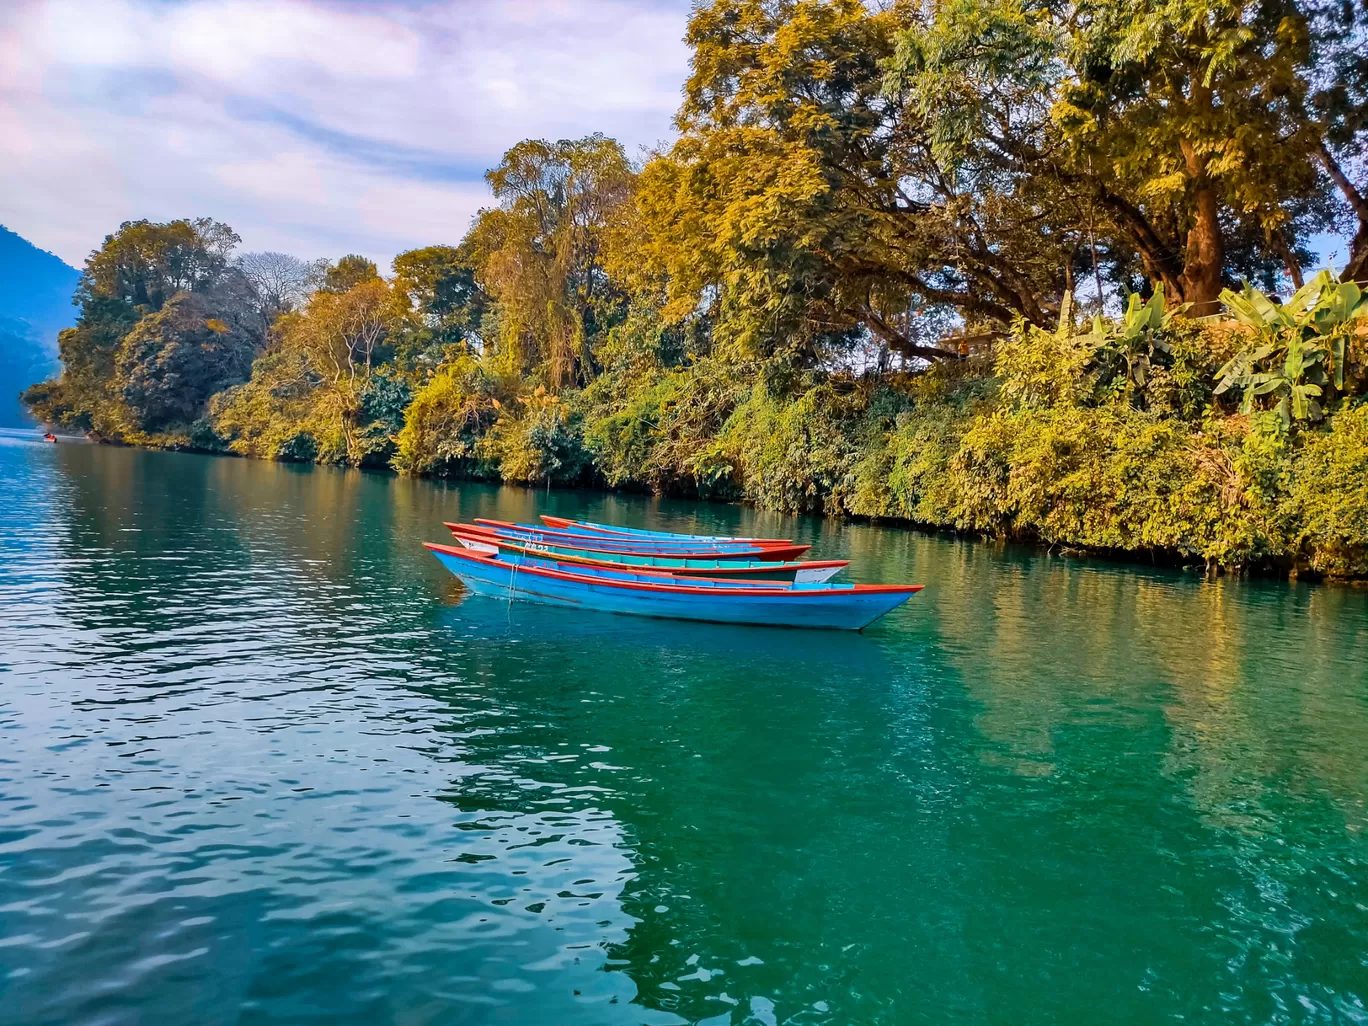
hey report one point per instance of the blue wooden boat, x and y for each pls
(535, 535)
(805, 572)
(565, 524)
(629, 541)
(639, 575)
(829, 606)
(532, 534)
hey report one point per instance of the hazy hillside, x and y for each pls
(35, 304)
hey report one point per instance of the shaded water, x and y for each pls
(262, 761)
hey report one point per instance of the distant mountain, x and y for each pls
(35, 304)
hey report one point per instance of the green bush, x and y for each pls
(800, 455)
(445, 422)
(301, 447)
(541, 443)
(1327, 497)
(660, 431)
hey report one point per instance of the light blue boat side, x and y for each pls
(826, 606)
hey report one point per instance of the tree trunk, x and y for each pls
(1159, 258)
(1201, 279)
(1289, 259)
(1357, 267)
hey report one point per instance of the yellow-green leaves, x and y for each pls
(1313, 342)
(1168, 133)
(541, 254)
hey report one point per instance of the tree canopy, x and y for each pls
(539, 253)
(166, 320)
(844, 167)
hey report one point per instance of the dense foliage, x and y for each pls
(997, 266)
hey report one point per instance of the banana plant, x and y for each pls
(1301, 348)
(1323, 304)
(1296, 383)
(1128, 349)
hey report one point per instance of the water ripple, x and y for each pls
(262, 761)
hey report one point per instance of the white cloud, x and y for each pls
(311, 127)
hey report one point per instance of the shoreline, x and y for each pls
(1155, 558)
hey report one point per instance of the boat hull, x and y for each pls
(828, 607)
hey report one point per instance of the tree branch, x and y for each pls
(897, 340)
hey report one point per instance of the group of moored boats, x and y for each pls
(716, 578)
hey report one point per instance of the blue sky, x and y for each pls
(317, 128)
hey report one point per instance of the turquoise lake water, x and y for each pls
(262, 761)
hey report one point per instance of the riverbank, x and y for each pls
(973, 448)
(1236, 443)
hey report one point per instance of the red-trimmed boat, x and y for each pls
(532, 536)
(829, 606)
(564, 524)
(805, 572)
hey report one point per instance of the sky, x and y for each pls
(313, 127)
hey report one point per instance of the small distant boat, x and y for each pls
(807, 572)
(534, 535)
(49, 437)
(584, 525)
(826, 605)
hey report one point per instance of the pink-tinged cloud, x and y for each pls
(315, 128)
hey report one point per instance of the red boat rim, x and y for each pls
(750, 543)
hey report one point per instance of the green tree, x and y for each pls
(172, 361)
(144, 264)
(128, 368)
(1175, 127)
(448, 303)
(349, 271)
(330, 351)
(540, 254)
(805, 208)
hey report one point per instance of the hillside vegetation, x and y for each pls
(995, 266)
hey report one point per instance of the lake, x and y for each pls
(263, 761)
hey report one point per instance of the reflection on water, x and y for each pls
(264, 761)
